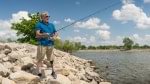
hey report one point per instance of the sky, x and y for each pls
(129, 18)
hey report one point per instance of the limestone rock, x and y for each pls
(15, 68)
(26, 60)
(14, 56)
(76, 82)
(46, 72)
(4, 71)
(93, 82)
(60, 80)
(63, 71)
(7, 51)
(7, 81)
(83, 82)
(5, 59)
(104, 83)
(1, 79)
(2, 56)
(22, 77)
(8, 65)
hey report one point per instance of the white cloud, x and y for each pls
(16, 17)
(104, 26)
(104, 34)
(5, 34)
(5, 31)
(92, 39)
(68, 20)
(146, 1)
(79, 39)
(76, 30)
(5, 25)
(130, 12)
(92, 23)
(136, 36)
(142, 40)
(56, 22)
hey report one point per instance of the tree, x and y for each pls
(128, 43)
(69, 46)
(136, 45)
(58, 44)
(92, 47)
(145, 46)
(83, 47)
(26, 29)
(78, 45)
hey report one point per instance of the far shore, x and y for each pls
(111, 50)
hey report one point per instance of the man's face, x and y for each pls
(45, 18)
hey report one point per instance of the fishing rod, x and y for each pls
(98, 11)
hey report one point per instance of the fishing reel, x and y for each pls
(52, 36)
(49, 36)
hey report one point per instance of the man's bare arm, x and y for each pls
(41, 35)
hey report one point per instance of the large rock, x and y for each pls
(72, 77)
(60, 80)
(46, 72)
(15, 68)
(76, 82)
(26, 60)
(4, 71)
(7, 81)
(5, 59)
(63, 71)
(7, 51)
(22, 77)
(90, 75)
(28, 67)
(104, 83)
(14, 56)
(8, 65)
(2, 56)
(93, 82)
(83, 82)
(1, 79)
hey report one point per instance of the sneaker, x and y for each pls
(54, 75)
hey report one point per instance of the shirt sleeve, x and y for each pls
(54, 29)
(38, 26)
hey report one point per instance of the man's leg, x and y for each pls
(41, 51)
(50, 57)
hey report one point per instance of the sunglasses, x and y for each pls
(47, 16)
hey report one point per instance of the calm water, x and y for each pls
(121, 67)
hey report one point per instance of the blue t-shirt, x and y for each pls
(45, 28)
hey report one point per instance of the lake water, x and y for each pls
(121, 67)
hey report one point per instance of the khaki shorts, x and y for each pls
(45, 50)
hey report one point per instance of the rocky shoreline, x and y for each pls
(17, 66)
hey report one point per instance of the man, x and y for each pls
(44, 30)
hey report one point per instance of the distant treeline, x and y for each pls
(114, 47)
